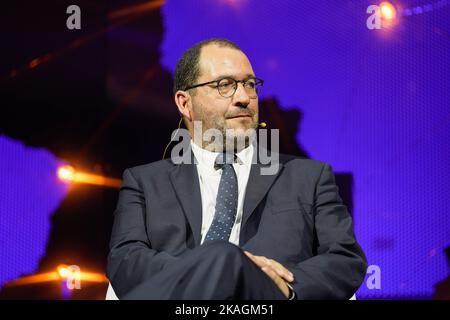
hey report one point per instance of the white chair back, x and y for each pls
(110, 294)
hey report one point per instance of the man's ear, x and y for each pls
(184, 103)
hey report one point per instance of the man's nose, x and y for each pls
(241, 97)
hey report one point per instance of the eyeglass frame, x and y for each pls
(261, 83)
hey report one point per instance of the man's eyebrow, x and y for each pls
(247, 76)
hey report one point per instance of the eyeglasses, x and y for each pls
(227, 86)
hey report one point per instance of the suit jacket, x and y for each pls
(295, 217)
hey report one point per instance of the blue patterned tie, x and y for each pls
(226, 200)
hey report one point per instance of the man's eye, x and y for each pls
(225, 83)
(251, 84)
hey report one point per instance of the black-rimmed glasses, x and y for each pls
(227, 86)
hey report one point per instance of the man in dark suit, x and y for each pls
(220, 228)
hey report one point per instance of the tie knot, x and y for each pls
(223, 159)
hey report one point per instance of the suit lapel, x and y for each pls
(257, 187)
(184, 178)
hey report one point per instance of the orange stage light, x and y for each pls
(37, 278)
(62, 273)
(68, 174)
(387, 11)
(135, 9)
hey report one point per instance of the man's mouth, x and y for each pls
(240, 116)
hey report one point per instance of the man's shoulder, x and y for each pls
(151, 167)
(293, 161)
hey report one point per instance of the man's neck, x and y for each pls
(222, 147)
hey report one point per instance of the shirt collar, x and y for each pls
(207, 158)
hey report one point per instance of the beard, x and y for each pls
(232, 138)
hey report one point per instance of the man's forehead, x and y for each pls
(219, 61)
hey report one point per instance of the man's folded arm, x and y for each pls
(131, 259)
(339, 266)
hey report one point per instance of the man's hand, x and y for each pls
(275, 270)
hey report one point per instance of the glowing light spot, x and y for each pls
(34, 63)
(388, 11)
(66, 173)
(63, 271)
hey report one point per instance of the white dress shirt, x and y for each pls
(209, 179)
